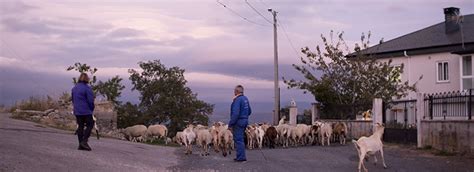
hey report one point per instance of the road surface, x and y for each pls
(27, 146)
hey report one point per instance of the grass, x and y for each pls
(437, 152)
(39, 103)
(161, 142)
(444, 153)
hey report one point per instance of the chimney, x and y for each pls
(451, 15)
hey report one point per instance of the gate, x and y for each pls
(399, 118)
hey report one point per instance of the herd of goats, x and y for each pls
(220, 138)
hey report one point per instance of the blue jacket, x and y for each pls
(239, 110)
(82, 99)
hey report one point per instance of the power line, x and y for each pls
(265, 4)
(237, 14)
(14, 54)
(253, 8)
(283, 28)
(288, 38)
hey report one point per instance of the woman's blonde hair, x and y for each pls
(83, 78)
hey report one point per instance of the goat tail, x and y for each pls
(356, 145)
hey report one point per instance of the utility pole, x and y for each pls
(276, 111)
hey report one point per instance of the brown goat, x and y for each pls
(271, 135)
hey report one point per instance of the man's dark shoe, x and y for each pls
(80, 148)
(238, 160)
(85, 146)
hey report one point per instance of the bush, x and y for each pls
(38, 103)
(129, 114)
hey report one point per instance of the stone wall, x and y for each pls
(63, 117)
(106, 116)
(448, 135)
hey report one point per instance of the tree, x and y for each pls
(164, 96)
(348, 81)
(285, 112)
(111, 89)
(84, 68)
(128, 114)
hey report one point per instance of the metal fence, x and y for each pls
(399, 118)
(449, 105)
(399, 114)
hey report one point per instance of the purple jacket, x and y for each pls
(82, 99)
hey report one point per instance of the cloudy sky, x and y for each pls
(217, 47)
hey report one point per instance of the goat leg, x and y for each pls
(383, 159)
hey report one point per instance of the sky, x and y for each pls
(216, 45)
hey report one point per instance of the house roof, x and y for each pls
(428, 40)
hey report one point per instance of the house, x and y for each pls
(441, 53)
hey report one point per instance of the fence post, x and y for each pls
(384, 111)
(469, 105)
(376, 112)
(405, 116)
(420, 112)
(430, 104)
(293, 113)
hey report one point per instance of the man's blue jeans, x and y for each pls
(238, 132)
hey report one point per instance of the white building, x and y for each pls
(441, 53)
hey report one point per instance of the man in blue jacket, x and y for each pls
(239, 113)
(83, 102)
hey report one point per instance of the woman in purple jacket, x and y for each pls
(83, 101)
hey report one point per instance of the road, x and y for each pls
(26, 146)
(332, 158)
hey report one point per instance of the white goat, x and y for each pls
(304, 133)
(188, 138)
(251, 136)
(225, 140)
(283, 134)
(296, 134)
(157, 132)
(178, 138)
(96, 128)
(369, 146)
(260, 133)
(135, 133)
(204, 139)
(325, 132)
(214, 130)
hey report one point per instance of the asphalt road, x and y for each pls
(332, 158)
(26, 146)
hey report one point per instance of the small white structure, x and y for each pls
(293, 112)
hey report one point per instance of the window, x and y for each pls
(443, 72)
(396, 71)
(466, 77)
